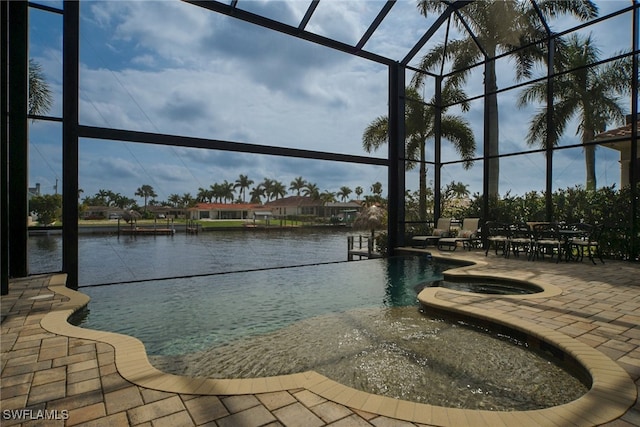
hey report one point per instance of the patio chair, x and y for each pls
(467, 234)
(589, 240)
(443, 229)
(497, 235)
(546, 240)
(520, 239)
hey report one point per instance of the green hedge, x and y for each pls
(606, 206)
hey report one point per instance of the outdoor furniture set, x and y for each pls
(536, 239)
(442, 235)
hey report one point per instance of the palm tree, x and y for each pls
(359, 192)
(226, 191)
(277, 190)
(40, 98)
(327, 197)
(311, 190)
(203, 195)
(376, 189)
(267, 185)
(256, 194)
(498, 26)
(344, 193)
(243, 183)
(297, 185)
(215, 192)
(186, 201)
(458, 189)
(174, 199)
(420, 126)
(102, 197)
(591, 93)
(145, 192)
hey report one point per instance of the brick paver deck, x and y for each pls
(76, 377)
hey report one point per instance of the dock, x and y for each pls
(147, 231)
(361, 247)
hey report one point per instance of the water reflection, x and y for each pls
(109, 259)
(47, 243)
(45, 253)
(401, 276)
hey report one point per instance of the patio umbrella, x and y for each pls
(370, 218)
(131, 215)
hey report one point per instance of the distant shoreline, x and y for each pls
(180, 228)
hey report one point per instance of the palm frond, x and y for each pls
(40, 97)
(458, 131)
(581, 9)
(376, 134)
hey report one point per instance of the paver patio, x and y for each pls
(78, 378)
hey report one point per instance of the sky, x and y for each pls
(171, 67)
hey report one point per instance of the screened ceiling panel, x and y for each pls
(346, 22)
(290, 12)
(379, 29)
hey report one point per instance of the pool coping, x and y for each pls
(612, 392)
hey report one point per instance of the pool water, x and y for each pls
(180, 316)
(358, 323)
(489, 287)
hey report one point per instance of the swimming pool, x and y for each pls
(183, 315)
(357, 323)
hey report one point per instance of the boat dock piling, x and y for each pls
(364, 249)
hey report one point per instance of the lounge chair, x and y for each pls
(467, 234)
(443, 229)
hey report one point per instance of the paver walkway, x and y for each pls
(77, 381)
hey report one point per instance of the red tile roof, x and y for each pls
(621, 132)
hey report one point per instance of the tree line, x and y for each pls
(234, 192)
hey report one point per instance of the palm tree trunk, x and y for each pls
(491, 130)
(422, 202)
(590, 159)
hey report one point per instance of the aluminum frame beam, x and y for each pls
(215, 144)
(274, 25)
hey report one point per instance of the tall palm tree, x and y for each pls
(589, 93)
(243, 183)
(376, 188)
(498, 26)
(420, 126)
(145, 192)
(40, 98)
(344, 193)
(297, 185)
(359, 190)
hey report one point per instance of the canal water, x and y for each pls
(111, 259)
